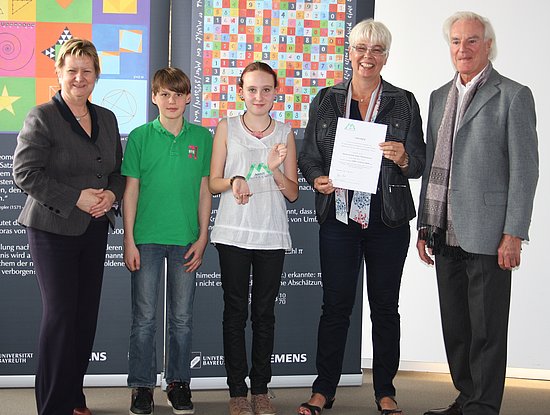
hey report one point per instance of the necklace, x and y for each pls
(257, 134)
(79, 117)
(363, 100)
(369, 96)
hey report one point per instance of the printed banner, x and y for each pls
(305, 41)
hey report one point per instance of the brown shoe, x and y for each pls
(240, 406)
(82, 411)
(261, 404)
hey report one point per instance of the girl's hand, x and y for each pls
(276, 156)
(241, 191)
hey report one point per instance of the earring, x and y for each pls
(241, 97)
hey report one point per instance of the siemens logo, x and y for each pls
(98, 357)
(289, 358)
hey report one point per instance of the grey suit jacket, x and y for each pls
(55, 159)
(494, 169)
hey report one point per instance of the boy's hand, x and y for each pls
(194, 255)
(131, 257)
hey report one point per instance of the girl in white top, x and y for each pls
(254, 168)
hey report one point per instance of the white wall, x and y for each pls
(419, 61)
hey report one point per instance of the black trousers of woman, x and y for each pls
(267, 266)
(70, 274)
(342, 250)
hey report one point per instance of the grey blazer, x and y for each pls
(55, 159)
(495, 163)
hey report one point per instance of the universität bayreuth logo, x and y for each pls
(196, 360)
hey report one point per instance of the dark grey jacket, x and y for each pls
(55, 159)
(399, 111)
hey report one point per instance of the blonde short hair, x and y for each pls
(77, 47)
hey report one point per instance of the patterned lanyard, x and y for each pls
(374, 104)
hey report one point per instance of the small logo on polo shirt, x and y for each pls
(193, 151)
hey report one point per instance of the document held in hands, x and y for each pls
(356, 157)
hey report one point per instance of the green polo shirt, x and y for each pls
(170, 170)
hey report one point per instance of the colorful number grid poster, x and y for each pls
(31, 33)
(304, 41)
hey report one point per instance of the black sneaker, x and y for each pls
(179, 398)
(142, 401)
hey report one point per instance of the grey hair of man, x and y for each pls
(489, 32)
(373, 31)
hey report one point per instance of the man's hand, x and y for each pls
(509, 252)
(422, 253)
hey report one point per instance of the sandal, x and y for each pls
(316, 410)
(387, 411)
(313, 410)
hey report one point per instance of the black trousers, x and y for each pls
(474, 297)
(70, 273)
(343, 248)
(267, 266)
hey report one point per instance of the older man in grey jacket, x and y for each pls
(475, 209)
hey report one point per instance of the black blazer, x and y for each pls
(55, 159)
(399, 111)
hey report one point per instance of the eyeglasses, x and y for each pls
(374, 50)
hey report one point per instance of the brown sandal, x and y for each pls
(387, 411)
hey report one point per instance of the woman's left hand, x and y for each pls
(394, 151)
(106, 200)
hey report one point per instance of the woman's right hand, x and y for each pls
(323, 185)
(88, 198)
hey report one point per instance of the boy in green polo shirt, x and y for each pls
(166, 215)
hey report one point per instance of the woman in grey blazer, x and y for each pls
(67, 161)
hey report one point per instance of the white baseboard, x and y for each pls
(438, 367)
(196, 383)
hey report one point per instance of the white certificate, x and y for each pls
(356, 156)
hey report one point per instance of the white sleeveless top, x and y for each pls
(262, 223)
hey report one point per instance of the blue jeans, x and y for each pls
(180, 292)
